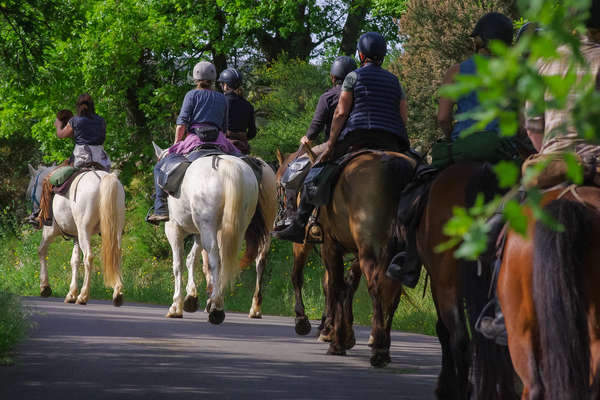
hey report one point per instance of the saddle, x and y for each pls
(174, 168)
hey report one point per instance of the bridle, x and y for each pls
(33, 196)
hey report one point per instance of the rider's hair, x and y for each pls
(365, 60)
(203, 84)
(85, 105)
(64, 116)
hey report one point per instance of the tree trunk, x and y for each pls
(357, 11)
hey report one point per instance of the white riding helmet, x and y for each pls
(205, 71)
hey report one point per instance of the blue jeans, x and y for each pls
(161, 206)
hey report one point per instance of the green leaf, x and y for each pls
(574, 168)
(513, 213)
(508, 174)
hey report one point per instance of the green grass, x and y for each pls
(148, 277)
(14, 325)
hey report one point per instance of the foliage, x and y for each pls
(285, 97)
(14, 324)
(512, 78)
(436, 36)
(148, 275)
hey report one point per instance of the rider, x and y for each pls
(321, 122)
(241, 123)
(203, 117)
(406, 266)
(371, 114)
(553, 131)
(88, 130)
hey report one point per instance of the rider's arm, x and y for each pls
(319, 118)
(404, 111)
(65, 132)
(445, 117)
(340, 116)
(179, 133)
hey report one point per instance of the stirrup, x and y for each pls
(314, 233)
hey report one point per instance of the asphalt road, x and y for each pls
(133, 352)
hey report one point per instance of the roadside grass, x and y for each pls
(148, 277)
(14, 325)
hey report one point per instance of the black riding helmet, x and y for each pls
(494, 26)
(232, 77)
(372, 45)
(342, 66)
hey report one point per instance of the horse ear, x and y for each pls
(31, 169)
(279, 157)
(157, 150)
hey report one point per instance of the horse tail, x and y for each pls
(112, 219)
(491, 368)
(258, 233)
(240, 198)
(560, 301)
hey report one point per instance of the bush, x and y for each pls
(285, 96)
(13, 324)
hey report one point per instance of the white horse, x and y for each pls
(220, 203)
(95, 204)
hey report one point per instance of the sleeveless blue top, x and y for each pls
(88, 130)
(469, 103)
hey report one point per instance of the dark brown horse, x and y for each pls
(548, 290)
(455, 285)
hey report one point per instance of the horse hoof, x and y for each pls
(173, 315)
(190, 304)
(81, 302)
(302, 326)
(333, 351)
(380, 359)
(46, 291)
(70, 299)
(255, 315)
(216, 316)
(118, 300)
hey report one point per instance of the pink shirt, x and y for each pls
(192, 141)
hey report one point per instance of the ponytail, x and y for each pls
(85, 105)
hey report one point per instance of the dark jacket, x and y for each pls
(324, 113)
(377, 94)
(90, 131)
(241, 115)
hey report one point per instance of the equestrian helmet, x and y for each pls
(204, 71)
(232, 77)
(494, 26)
(372, 45)
(342, 66)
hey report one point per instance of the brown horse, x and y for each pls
(548, 290)
(455, 284)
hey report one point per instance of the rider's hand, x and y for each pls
(326, 154)
(304, 140)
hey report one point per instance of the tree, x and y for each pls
(436, 34)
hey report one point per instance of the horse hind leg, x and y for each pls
(336, 288)
(302, 323)
(175, 237)
(190, 303)
(75, 262)
(88, 259)
(215, 304)
(261, 262)
(48, 235)
(352, 282)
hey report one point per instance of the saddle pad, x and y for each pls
(62, 174)
(256, 165)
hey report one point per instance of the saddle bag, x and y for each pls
(61, 174)
(295, 173)
(206, 133)
(171, 173)
(320, 181)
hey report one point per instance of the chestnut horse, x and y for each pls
(456, 284)
(548, 290)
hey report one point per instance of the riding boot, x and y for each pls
(405, 267)
(161, 208)
(296, 231)
(493, 328)
(291, 197)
